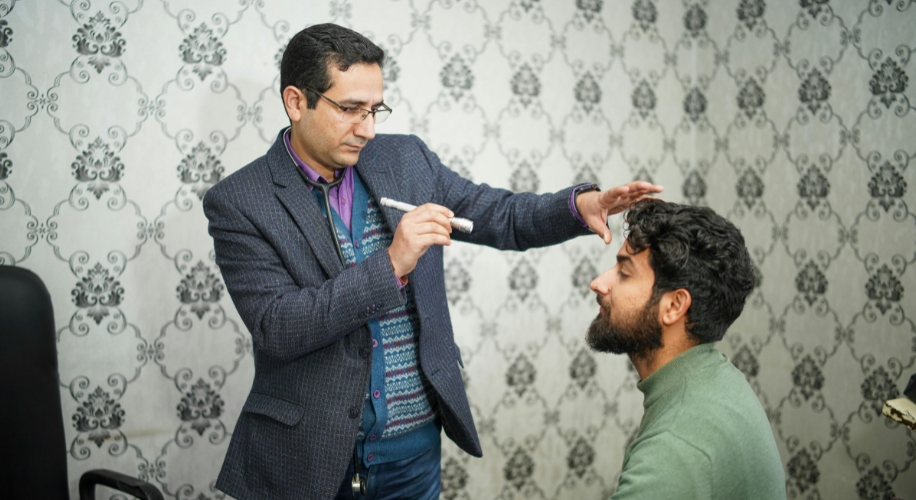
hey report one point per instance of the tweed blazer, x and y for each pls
(307, 313)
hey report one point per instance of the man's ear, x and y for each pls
(294, 101)
(674, 306)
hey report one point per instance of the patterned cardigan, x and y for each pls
(307, 313)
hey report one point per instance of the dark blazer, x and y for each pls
(307, 314)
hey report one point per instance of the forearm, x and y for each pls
(519, 221)
(503, 219)
(283, 294)
(297, 321)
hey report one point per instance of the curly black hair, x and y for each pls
(700, 251)
(312, 51)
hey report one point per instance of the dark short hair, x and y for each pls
(312, 51)
(700, 251)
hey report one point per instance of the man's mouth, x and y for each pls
(601, 308)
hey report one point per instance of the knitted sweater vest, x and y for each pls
(398, 390)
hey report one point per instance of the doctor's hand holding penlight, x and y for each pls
(463, 225)
(420, 228)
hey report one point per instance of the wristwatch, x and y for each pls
(573, 207)
(584, 188)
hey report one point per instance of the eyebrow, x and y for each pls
(624, 260)
(354, 102)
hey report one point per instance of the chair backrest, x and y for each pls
(34, 447)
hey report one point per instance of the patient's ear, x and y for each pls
(673, 306)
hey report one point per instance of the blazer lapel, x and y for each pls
(298, 200)
(380, 179)
(380, 182)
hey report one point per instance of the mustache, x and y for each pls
(601, 303)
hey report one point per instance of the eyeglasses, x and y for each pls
(357, 115)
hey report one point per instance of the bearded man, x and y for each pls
(681, 280)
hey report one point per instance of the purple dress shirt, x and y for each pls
(340, 196)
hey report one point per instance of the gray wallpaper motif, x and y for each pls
(795, 119)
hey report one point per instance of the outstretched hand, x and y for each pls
(595, 207)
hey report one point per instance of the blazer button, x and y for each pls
(353, 412)
(364, 352)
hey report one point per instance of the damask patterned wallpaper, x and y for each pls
(793, 118)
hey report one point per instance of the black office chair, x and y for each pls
(34, 447)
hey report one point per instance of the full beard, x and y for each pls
(638, 335)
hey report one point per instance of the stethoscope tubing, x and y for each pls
(325, 191)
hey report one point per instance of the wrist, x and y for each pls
(574, 199)
(401, 277)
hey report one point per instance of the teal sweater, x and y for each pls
(704, 435)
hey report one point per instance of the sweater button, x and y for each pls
(353, 412)
(376, 394)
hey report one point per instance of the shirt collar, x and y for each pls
(309, 171)
(675, 372)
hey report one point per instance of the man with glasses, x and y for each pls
(356, 368)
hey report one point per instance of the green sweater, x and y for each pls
(704, 435)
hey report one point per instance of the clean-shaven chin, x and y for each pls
(351, 151)
(347, 156)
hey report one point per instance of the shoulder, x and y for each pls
(395, 145)
(250, 179)
(721, 414)
(718, 383)
(667, 447)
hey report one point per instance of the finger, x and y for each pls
(438, 215)
(432, 228)
(625, 203)
(605, 234)
(441, 226)
(425, 213)
(615, 205)
(642, 187)
(620, 194)
(600, 228)
(611, 195)
(644, 197)
(645, 186)
(429, 239)
(432, 207)
(443, 221)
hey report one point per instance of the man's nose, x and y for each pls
(366, 128)
(599, 285)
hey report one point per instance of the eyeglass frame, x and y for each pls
(382, 107)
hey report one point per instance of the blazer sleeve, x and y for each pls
(289, 319)
(503, 219)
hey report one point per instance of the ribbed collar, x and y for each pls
(675, 371)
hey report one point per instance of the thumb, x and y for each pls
(600, 228)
